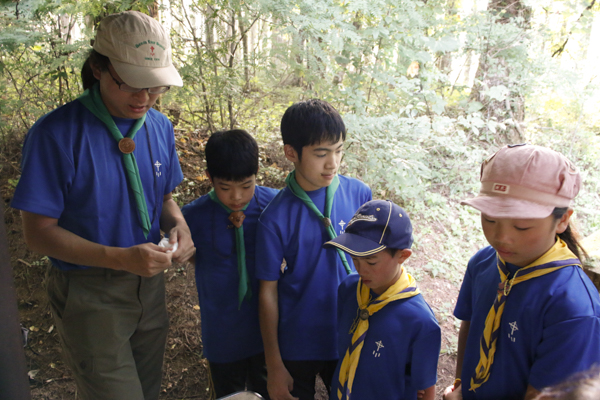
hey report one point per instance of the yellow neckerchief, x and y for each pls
(557, 257)
(404, 287)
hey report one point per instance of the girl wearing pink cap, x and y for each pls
(530, 315)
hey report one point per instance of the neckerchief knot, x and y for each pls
(403, 288)
(237, 218)
(325, 217)
(92, 100)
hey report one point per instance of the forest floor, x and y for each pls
(185, 369)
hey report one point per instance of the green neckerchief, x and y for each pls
(244, 288)
(295, 188)
(92, 100)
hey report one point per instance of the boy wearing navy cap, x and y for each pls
(388, 340)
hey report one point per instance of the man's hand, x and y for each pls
(185, 245)
(173, 223)
(43, 235)
(280, 384)
(145, 259)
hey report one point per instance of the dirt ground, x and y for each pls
(185, 369)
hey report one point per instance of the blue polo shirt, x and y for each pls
(550, 328)
(229, 334)
(72, 170)
(307, 289)
(400, 351)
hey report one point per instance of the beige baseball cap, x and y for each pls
(138, 48)
(525, 181)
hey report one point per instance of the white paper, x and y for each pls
(165, 243)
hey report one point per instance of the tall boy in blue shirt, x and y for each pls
(297, 302)
(223, 226)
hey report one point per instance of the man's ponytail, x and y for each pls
(87, 74)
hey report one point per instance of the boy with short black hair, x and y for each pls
(389, 340)
(298, 302)
(223, 226)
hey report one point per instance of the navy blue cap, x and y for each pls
(377, 225)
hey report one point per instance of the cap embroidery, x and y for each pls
(360, 217)
(500, 188)
(152, 43)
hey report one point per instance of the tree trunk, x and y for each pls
(245, 52)
(493, 72)
(232, 50)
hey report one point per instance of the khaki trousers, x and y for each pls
(113, 328)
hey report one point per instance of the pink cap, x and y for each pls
(525, 181)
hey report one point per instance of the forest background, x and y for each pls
(428, 89)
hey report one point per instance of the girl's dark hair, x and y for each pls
(570, 235)
(87, 74)
(581, 386)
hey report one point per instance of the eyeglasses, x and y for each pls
(130, 89)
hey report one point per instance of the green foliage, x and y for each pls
(13, 183)
(40, 57)
(36, 62)
(445, 313)
(448, 235)
(44, 261)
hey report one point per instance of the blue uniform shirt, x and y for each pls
(307, 289)
(550, 328)
(400, 351)
(229, 334)
(72, 170)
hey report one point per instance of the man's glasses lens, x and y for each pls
(153, 90)
(129, 89)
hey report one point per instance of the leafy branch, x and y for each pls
(562, 47)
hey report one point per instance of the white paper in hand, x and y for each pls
(165, 243)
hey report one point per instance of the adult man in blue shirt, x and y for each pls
(95, 192)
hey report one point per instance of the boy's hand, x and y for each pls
(280, 384)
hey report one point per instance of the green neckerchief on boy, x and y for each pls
(244, 288)
(295, 188)
(403, 288)
(559, 256)
(92, 100)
